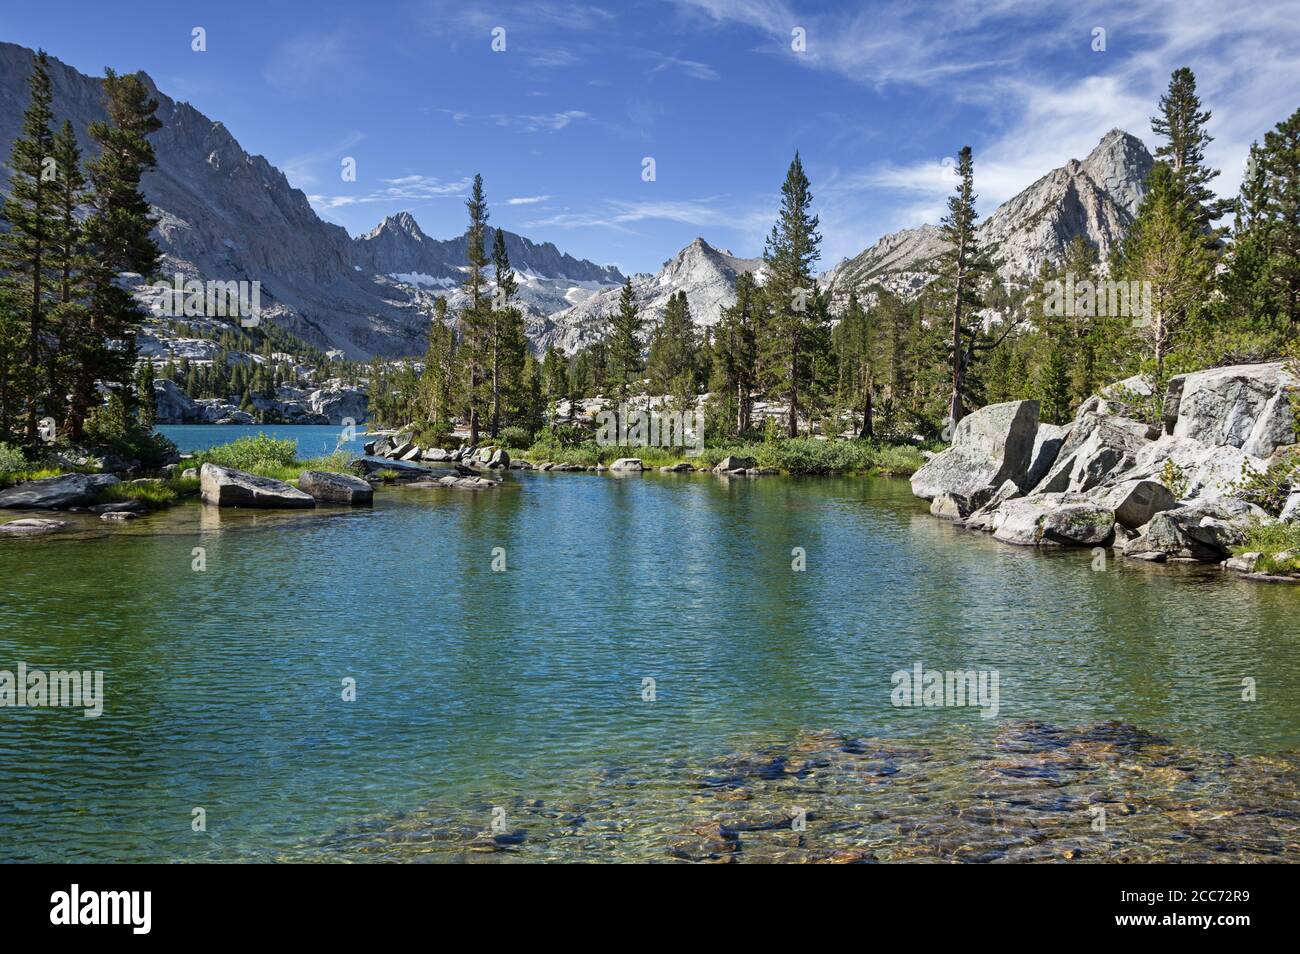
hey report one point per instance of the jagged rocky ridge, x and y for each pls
(707, 275)
(1103, 480)
(1096, 198)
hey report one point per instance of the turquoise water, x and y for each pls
(224, 686)
(314, 440)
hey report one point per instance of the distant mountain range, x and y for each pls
(227, 215)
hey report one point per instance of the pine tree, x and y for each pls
(1182, 122)
(438, 384)
(735, 357)
(1165, 248)
(855, 350)
(530, 413)
(68, 260)
(555, 382)
(673, 361)
(475, 318)
(624, 343)
(117, 239)
(25, 248)
(794, 322)
(144, 394)
(1282, 162)
(962, 267)
(509, 341)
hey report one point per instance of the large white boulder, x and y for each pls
(1098, 449)
(330, 488)
(227, 487)
(1053, 520)
(1245, 406)
(1208, 471)
(989, 447)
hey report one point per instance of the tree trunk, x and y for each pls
(868, 429)
(792, 427)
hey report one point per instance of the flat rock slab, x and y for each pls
(32, 527)
(330, 488)
(404, 468)
(57, 493)
(227, 487)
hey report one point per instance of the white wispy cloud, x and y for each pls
(692, 68)
(527, 199)
(303, 63)
(410, 188)
(1029, 78)
(540, 122)
(303, 171)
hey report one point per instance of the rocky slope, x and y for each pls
(1157, 493)
(1095, 198)
(549, 280)
(229, 216)
(707, 275)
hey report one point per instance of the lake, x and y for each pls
(528, 691)
(314, 440)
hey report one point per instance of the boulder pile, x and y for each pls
(1163, 491)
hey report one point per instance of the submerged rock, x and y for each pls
(227, 487)
(32, 527)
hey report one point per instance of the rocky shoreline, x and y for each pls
(1168, 492)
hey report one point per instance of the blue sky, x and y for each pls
(560, 121)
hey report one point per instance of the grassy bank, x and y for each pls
(1271, 540)
(797, 456)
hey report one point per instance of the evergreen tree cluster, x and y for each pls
(67, 326)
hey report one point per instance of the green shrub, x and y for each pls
(514, 438)
(253, 454)
(1174, 478)
(434, 435)
(11, 459)
(1270, 487)
(154, 494)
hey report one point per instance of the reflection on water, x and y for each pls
(224, 686)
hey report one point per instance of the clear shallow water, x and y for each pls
(314, 440)
(223, 687)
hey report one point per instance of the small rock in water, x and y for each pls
(31, 527)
